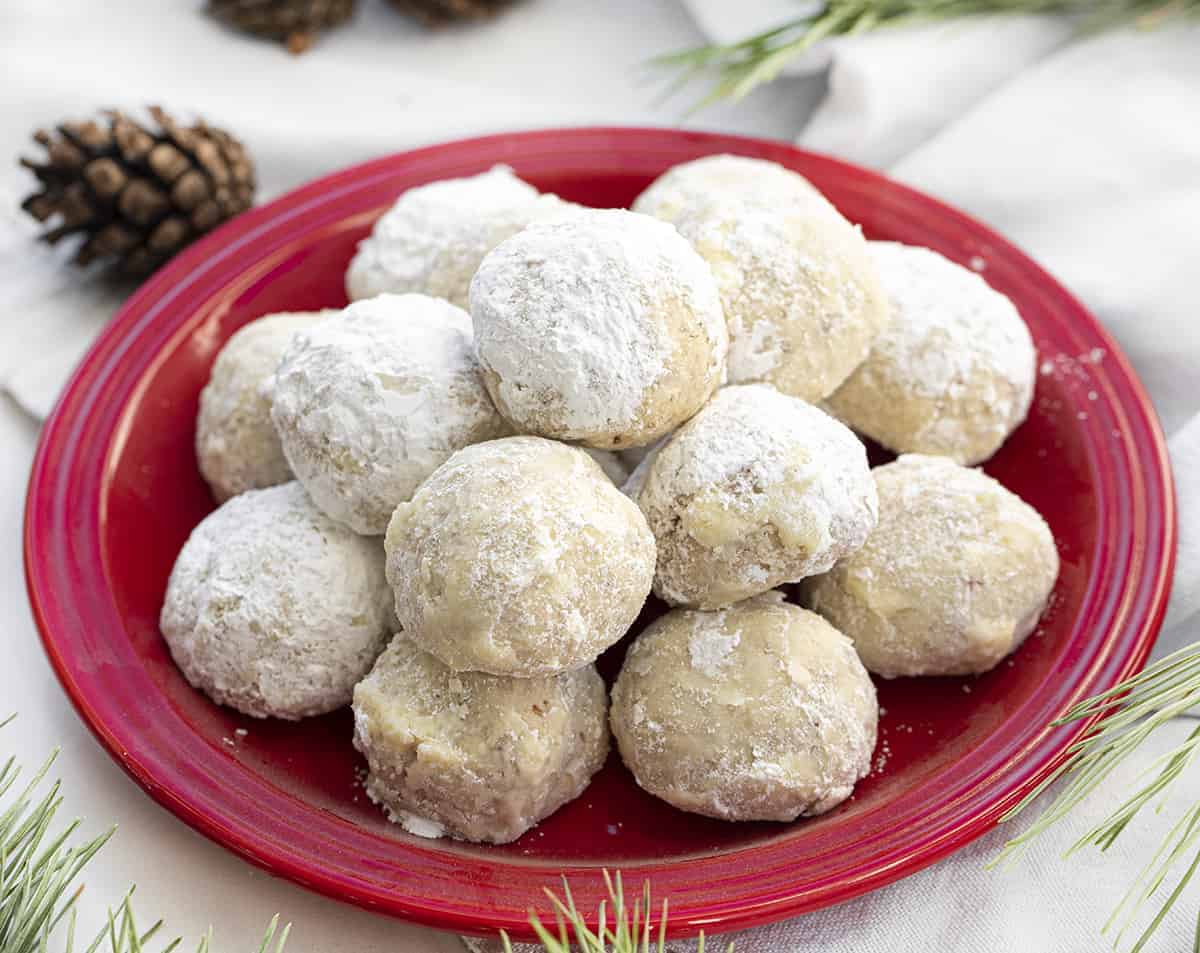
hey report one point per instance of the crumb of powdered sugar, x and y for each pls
(709, 647)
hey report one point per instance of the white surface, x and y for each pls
(1091, 160)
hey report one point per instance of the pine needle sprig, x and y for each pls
(736, 69)
(40, 870)
(631, 930)
(37, 871)
(1128, 714)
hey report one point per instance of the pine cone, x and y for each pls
(137, 195)
(295, 23)
(438, 12)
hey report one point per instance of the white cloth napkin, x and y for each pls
(892, 89)
(1087, 154)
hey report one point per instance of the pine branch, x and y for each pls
(40, 874)
(735, 69)
(1130, 712)
(630, 932)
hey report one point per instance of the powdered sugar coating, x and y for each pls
(953, 373)
(236, 444)
(757, 712)
(757, 490)
(475, 756)
(433, 239)
(605, 329)
(518, 557)
(797, 286)
(682, 186)
(274, 609)
(951, 581)
(372, 400)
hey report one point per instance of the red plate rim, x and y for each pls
(87, 418)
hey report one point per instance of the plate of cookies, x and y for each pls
(529, 506)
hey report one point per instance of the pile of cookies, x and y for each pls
(445, 501)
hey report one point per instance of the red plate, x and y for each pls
(115, 491)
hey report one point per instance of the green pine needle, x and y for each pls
(40, 870)
(735, 69)
(630, 932)
(1129, 713)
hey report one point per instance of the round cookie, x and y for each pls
(951, 581)
(475, 756)
(760, 712)
(236, 444)
(690, 183)
(797, 284)
(273, 608)
(518, 557)
(952, 374)
(604, 329)
(756, 490)
(369, 402)
(433, 239)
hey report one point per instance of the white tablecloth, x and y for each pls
(1087, 155)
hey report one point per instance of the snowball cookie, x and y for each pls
(369, 402)
(236, 444)
(604, 328)
(760, 712)
(273, 608)
(479, 757)
(519, 557)
(433, 239)
(683, 186)
(797, 284)
(756, 490)
(952, 579)
(953, 373)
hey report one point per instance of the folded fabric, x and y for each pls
(892, 89)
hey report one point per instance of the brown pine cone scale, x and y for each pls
(295, 23)
(136, 194)
(439, 12)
